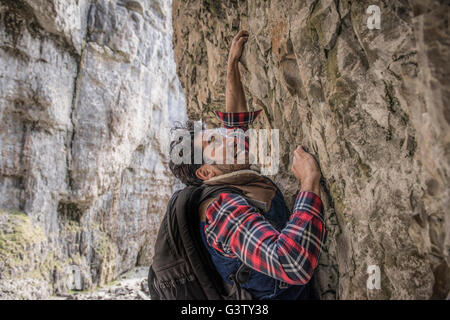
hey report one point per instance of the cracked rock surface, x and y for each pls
(89, 87)
(371, 105)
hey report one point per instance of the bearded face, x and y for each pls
(225, 151)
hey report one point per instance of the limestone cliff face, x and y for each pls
(87, 91)
(371, 105)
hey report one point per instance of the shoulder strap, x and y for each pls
(214, 191)
(242, 275)
(196, 254)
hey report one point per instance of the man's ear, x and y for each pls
(207, 171)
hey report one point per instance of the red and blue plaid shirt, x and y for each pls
(237, 120)
(237, 230)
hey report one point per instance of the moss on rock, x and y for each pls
(107, 252)
(18, 236)
(24, 250)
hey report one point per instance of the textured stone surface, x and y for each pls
(88, 90)
(371, 105)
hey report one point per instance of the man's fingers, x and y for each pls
(300, 148)
(298, 157)
(240, 34)
(242, 40)
(299, 151)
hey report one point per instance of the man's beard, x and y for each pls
(227, 168)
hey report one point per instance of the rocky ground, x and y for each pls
(129, 286)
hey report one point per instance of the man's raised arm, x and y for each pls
(234, 94)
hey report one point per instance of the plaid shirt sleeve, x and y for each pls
(236, 230)
(237, 120)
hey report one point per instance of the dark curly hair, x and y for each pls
(185, 171)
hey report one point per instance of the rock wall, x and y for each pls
(88, 89)
(370, 104)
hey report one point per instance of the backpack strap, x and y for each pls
(242, 275)
(238, 278)
(188, 221)
(214, 191)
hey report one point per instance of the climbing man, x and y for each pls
(259, 248)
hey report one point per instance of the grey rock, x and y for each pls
(89, 88)
(128, 288)
(88, 92)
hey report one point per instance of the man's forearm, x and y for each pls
(236, 229)
(310, 185)
(234, 94)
